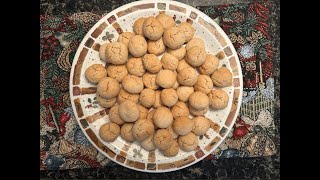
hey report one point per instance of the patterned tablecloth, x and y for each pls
(64, 146)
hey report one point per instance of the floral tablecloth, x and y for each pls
(64, 146)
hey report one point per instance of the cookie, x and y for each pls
(142, 129)
(137, 26)
(126, 132)
(152, 28)
(151, 63)
(156, 47)
(125, 38)
(182, 125)
(95, 73)
(169, 62)
(109, 132)
(195, 42)
(102, 52)
(173, 38)
(157, 102)
(188, 30)
(166, 20)
(197, 112)
(201, 125)
(166, 78)
(180, 109)
(135, 67)
(162, 139)
(209, 66)
(172, 151)
(108, 88)
(188, 142)
(169, 97)
(222, 77)
(114, 115)
(117, 72)
(129, 111)
(188, 76)
(147, 97)
(124, 95)
(106, 103)
(143, 112)
(132, 84)
(149, 81)
(203, 84)
(148, 144)
(176, 85)
(174, 134)
(199, 100)
(218, 99)
(137, 46)
(184, 92)
(182, 65)
(162, 117)
(196, 56)
(116, 53)
(178, 53)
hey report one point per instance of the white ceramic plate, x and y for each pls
(91, 116)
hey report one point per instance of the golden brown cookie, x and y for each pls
(188, 142)
(172, 151)
(143, 112)
(176, 85)
(126, 132)
(151, 63)
(210, 65)
(166, 20)
(109, 132)
(196, 112)
(195, 56)
(188, 76)
(129, 111)
(124, 95)
(95, 73)
(169, 62)
(132, 84)
(180, 109)
(182, 125)
(201, 125)
(184, 92)
(116, 53)
(125, 38)
(137, 26)
(169, 97)
(117, 72)
(102, 52)
(142, 129)
(174, 134)
(173, 38)
(188, 30)
(156, 47)
(148, 144)
(114, 115)
(182, 65)
(195, 42)
(137, 46)
(178, 53)
(135, 66)
(106, 103)
(147, 97)
(199, 100)
(218, 99)
(162, 117)
(166, 78)
(152, 28)
(222, 77)
(203, 84)
(149, 81)
(162, 139)
(108, 88)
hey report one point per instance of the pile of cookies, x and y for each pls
(152, 98)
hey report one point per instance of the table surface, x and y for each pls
(225, 168)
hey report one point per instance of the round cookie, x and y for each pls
(106, 103)
(180, 109)
(197, 112)
(151, 63)
(129, 111)
(199, 100)
(124, 95)
(157, 102)
(137, 46)
(149, 81)
(222, 77)
(162, 117)
(203, 84)
(95, 73)
(147, 97)
(176, 85)
(188, 142)
(182, 65)
(162, 139)
(142, 129)
(166, 20)
(173, 38)
(143, 112)
(178, 53)
(169, 62)
(152, 28)
(117, 72)
(182, 125)
(114, 115)
(195, 56)
(109, 132)
(132, 84)
(201, 125)
(166, 78)
(108, 88)
(188, 30)
(148, 144)
(172, 151)
(184, 92)
(169, 97)
(135, 67)
(195, 42)
(102, 52)
(188, 76)
(126, 132)
(125, 38)
(137, 26)
(209, 66)
(116, 53)
(150, 114)
(174, 134)
(218, 99)
(156, 47)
